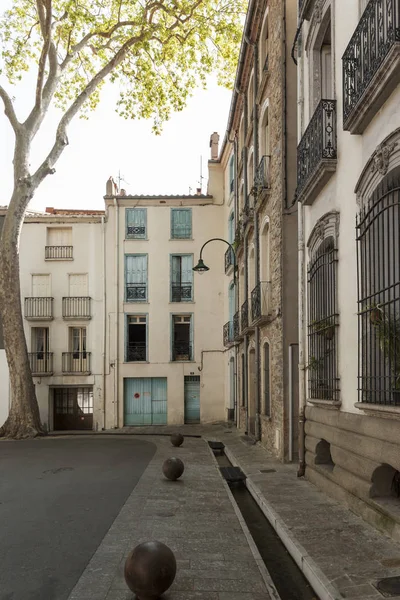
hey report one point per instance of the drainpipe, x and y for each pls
(103, 230)
(291, 346)
(302, 368)
(246, 340)
(116, 366)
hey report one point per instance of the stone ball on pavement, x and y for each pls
(150, 570)
(177, 439)
(173, 468)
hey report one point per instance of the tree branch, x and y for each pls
(9, 110)
(45, 26)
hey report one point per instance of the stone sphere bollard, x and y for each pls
(177, 439)
(173, 468)
(150, 570)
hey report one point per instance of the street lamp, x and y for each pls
(201, 267)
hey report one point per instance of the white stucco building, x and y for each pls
(349, 221)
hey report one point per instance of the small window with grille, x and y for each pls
(136, 223)
(136, 340)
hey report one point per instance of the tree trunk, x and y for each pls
(24, 419)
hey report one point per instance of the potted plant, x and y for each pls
(325, 328)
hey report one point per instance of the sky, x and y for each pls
(107, 144)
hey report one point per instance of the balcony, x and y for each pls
(229, 260)
(39, 309)
(317, 152)
(136, 352)
(228, 334)
(236, 326)
(244, 316)
(136, 292)
(182, 351)
(371, 64)
(76, 307)
(181, 292)
(76, 363)
(41, 363)
(58, 253)
(261, 303)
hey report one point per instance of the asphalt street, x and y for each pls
(58, 498)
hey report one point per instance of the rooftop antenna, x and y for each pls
(201, 173)
(121, 178)
(190, 190)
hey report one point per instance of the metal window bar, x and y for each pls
(228, 333)
(76, 362)
(323, 318)
(244, 315)
(318, 142)
(378, 252)
(229, 259)
(135, 292)
(182, 351)
(39, 308)
(181, 292)
(377, 31)
(136, 352)
(261, 179)
(232, 185)
(236, 325)
(41, 362)
(58, 252)
(260, 300)
(76, 307)
(134, 231)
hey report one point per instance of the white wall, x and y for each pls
(4, 387)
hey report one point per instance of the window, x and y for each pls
(59, 243)
(136, 278)
(181, 223)
(40, 342)
(41, 286)
(378, 247)
(77, 342)
(250, 99)
(78, 285)
(136, 223)
(181, 278)
(136, 338)
(73, 400)
(323, 381)
(263, 46)
(266, 382)
(232, 174)
(182, 337)
(326, 65)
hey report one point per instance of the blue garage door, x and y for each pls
(192, 399)
(145, 401)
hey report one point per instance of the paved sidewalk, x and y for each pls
(195, 518)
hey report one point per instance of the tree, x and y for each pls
(157, 51)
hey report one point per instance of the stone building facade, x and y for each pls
(349, 221)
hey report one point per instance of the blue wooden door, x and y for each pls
(192, 399)
(145, 401)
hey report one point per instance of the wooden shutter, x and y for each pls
(136, 223)
(78, 285)
(181, 223)
(41, 286)
(59, 236)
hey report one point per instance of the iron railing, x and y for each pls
(261, 178)
(135, 231)
(236, 325)
(76, 307)
(377, 32)
(76, 362)
(181, 292)
(39, 309)
(318, 142)
(244, 315)
(323, 380)
(182, 351)
(136, 351)
(229, 259)
(181, 232)
(41, 363)
(58, 252)
(378, 243)
(260, 301)
(135, 292)
(228, 333)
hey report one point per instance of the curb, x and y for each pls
(269, 584)
(314, 575)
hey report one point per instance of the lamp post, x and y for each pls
(201, 267)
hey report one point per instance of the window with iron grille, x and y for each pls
(181, 278)
(378, 250)
(323, 380)
(136, 223)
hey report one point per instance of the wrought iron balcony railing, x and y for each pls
(236, 326)
(41, 363)
(76, 307)
(228, 333)
(261, 301)
(58, 252)
(136, 292)
(182, 351)
(317, 152)
(136, 351)
(229, 260)
(39, 309)
(135, 232)
(244, 315)
(76, 362)
(261, 177)
(181, 292)
(374, 48)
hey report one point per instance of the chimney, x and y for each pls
(198, 191)
(111, 187)
(214, 142)
(122, 192)
(49, 209)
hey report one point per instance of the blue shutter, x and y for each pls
(187, 277)
(136, 277)
(181, 223)
(136, 223)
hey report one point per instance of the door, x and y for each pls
(145, 401)
(73, 408)
(79, 361)
(192, 399)
(40, 350)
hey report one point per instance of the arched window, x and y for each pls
(250, 179)
(263, 46)
(323, 318)
(241, 134)
(250, 98)
(378, 246)
(251, 270)
(266, 380)
(264, 252)
(231, 228)
(231, 296)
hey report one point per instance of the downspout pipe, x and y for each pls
(103, 231)
(116, 334)
(302, 365)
